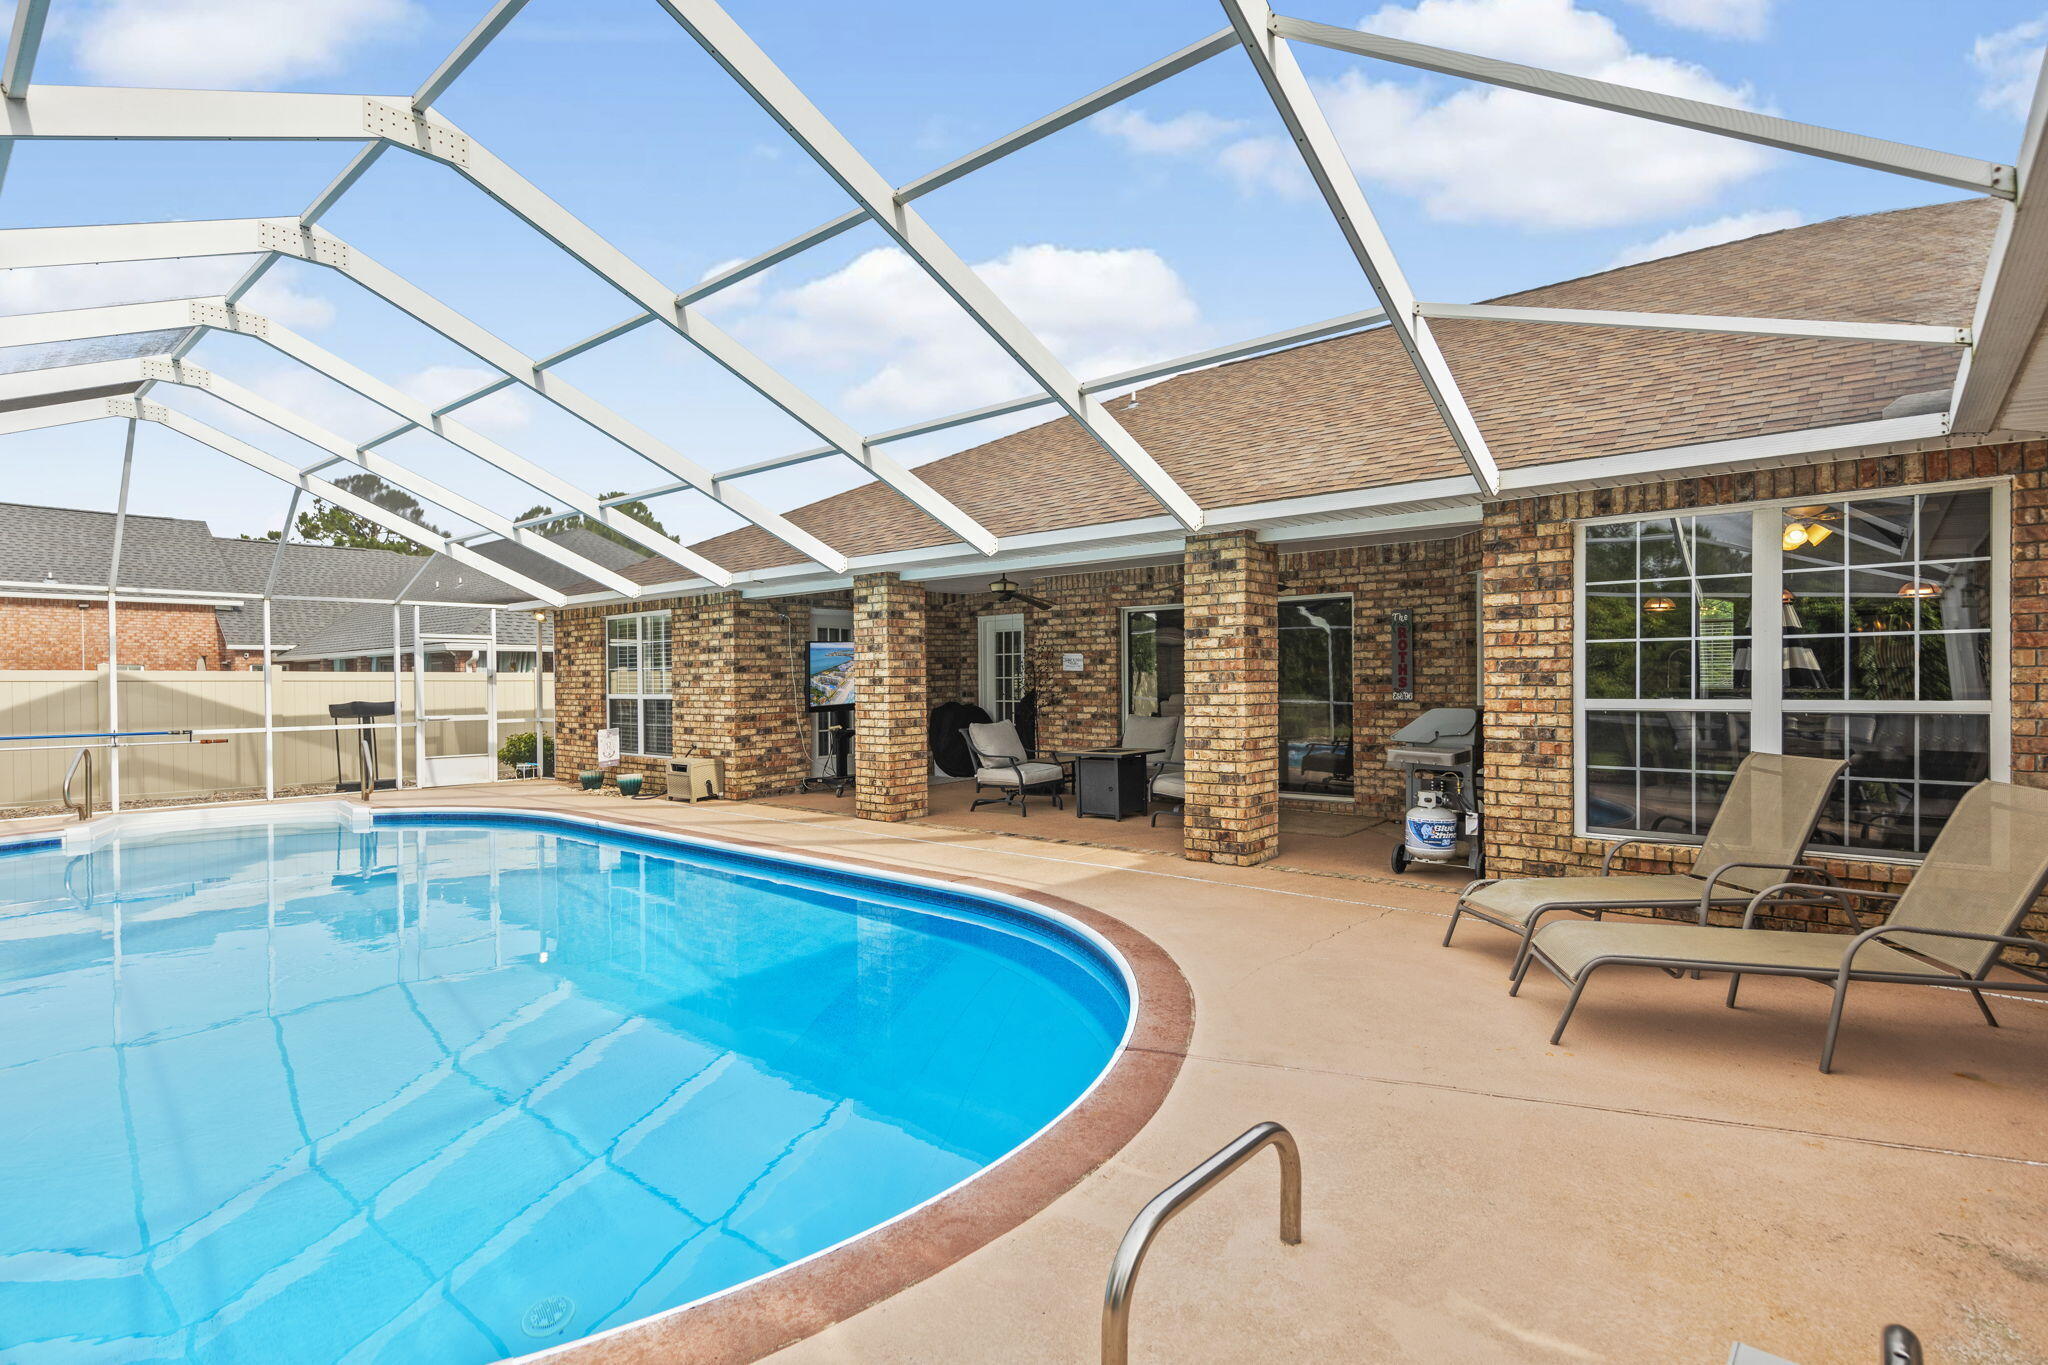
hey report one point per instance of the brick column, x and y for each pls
(1231, 593)
(737, 690)
(892, 762)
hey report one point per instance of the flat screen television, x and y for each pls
(828, 673)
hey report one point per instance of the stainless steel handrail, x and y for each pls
(369, 763)
(1901, 1347)
(1130, 1253)
(83, 756)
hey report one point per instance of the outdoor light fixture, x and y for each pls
(1006, 589)
(1659, 605)
(1807, 526)
(1919, 587)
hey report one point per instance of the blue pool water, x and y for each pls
(457, 1089)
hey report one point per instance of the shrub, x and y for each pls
(518, 749)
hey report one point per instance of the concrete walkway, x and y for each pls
(1676, 1178)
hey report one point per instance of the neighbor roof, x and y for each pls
(1349, 413)
(74, 546)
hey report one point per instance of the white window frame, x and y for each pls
(1766, 704)
(640, 698)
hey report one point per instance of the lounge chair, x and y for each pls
(1762, 828)
(1986, 867)
(1002, 764)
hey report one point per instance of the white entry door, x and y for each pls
(1000, 652)
(827, 624)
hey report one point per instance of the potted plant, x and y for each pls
(518, 752)
(629, 784)
(591, 779)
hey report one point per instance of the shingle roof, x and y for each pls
(367, 630)
(65, 545)
(1348, 413)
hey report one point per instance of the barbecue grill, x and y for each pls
(1439, 751)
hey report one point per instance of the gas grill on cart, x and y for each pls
(1438, 755)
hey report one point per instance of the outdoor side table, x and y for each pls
(1110, 783)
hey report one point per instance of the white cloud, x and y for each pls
(909, 350)
(743, 294)
(229, 44)
(1487, 154)
(49, 289)
(2008, 63)
(1193, 131)
(508, 408)
(1722, 18)
(283, 301)
(1732, 228)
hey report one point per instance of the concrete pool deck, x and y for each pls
(1676, 1178)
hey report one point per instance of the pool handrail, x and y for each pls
(1130, 1253)
(84, 755)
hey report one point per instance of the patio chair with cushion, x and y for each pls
(1946, 929)
(1003, 764)
(1761, 829)
(1165, 775)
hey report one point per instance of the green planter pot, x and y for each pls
(591, 781)
(629, 784)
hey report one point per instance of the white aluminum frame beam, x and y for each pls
(1878, 154)
(97, 113)
(284, 236)
(1324, 156)
(57, 382)
(1159, 369)
(24, 39)
(31, 329)
(2012, 303)
(1918, 334)
(188, 375)
(732, 48)
(1144, 78)
(1065, 117)
(66, 414)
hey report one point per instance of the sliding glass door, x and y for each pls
(1315, 696)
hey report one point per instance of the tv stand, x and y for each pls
(841, 730)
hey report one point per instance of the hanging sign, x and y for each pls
(607, 748)
(1402, 624)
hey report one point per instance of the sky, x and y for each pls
(1180, 220)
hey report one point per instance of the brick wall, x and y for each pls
(736, 685)
(893, 763)
(1435, 580)
(1231, 590)
(1527, 626)
(1083, 616)
(37, 633)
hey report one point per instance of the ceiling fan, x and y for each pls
(1006, 590)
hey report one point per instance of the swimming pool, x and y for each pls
(459, 1087)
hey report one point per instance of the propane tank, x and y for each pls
(1432, 828)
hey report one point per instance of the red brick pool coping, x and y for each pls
(783, 1308)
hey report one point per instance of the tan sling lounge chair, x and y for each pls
(1758, 835)
(1947, 928)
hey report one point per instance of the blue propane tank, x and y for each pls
(1432, 829)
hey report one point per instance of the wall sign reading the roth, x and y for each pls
(1402, 630)
(1070, 663)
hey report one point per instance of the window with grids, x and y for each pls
(638, 702)
(1883, 636)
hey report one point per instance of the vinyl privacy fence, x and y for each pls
(229, 709)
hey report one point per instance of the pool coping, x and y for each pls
(762, 1316)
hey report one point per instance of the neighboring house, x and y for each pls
(359, 639)
(191, 600)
